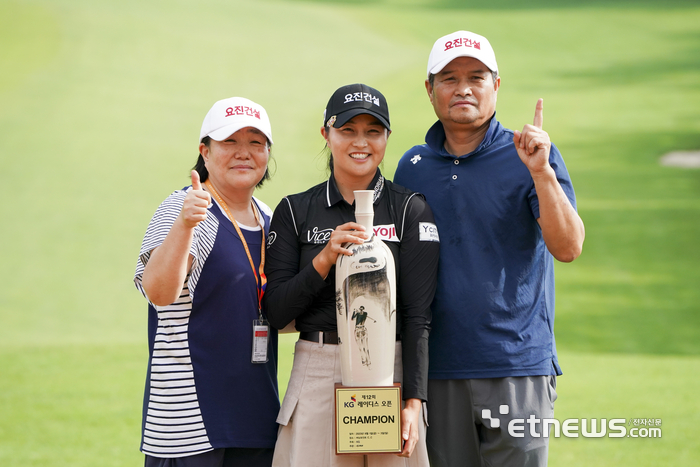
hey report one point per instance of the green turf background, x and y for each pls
(100, 107)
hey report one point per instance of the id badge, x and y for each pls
(261, 331)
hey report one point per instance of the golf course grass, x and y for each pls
(100, 108)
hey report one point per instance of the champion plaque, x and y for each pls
(368, 420)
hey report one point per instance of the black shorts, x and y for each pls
(225, 457)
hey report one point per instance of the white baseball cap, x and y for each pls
(227, 116)
(460, 44)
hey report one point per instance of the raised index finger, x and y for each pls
(539, 119)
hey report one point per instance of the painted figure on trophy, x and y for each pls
(361, 334)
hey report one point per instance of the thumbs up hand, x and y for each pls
(194, 209)
(533, 143)
(196, 184)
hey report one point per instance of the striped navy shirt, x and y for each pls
(202, 391)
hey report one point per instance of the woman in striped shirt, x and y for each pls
(211, 393)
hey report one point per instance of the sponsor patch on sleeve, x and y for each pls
(428, 232)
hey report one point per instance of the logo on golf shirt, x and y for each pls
(428, 232)
(318, 236)
(271, 237)
(385, 232)
(415, 159)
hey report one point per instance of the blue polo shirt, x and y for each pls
(493, 312)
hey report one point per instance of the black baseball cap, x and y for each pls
(355, 99)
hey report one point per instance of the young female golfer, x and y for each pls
(307, 234)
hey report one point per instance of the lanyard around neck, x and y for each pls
(260, 283)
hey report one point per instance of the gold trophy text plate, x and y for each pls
(368, 419)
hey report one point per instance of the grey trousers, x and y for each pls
(468, 421)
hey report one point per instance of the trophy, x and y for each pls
(368, 402)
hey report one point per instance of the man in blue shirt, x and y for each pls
(505, 207)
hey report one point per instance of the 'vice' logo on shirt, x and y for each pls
(318, 236)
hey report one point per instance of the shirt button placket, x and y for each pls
(454, 175)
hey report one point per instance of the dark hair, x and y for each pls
(431, 78)
(327, 154)
(201, 168)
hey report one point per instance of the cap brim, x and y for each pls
(437, 68)
(343, 118)
(224, 132)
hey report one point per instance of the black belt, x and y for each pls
(329, 337)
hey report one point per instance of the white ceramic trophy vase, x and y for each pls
(365, 291)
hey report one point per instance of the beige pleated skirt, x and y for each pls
(306, 435)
